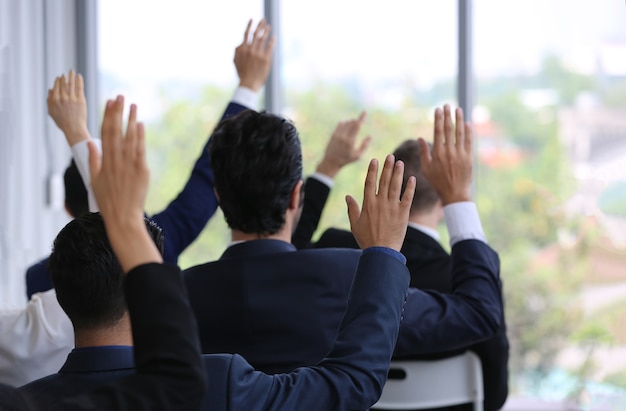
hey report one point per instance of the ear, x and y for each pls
(296, 194)
(216, 195)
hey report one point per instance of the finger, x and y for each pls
(395, 185)
(362, 117)
(438, 138)
(106, 131)
(407, 197)
(364, 145)
(460, 128)
(448, 127)
(468, 138)
(247, 32)
(130, 142)
(354, 213)
(54, 93)
(369, 189)
(269, 49)
(258, 32)
(80, 86)
(63, 86)
(95, 160)
(385, 176)
(71, 84)
(140, 147)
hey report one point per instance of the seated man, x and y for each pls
(429, 264)
(42, 337)
(280, 308)
(351, 377)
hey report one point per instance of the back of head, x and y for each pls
(425, 196)
(88, 279)
(75, 191)
(257, 162)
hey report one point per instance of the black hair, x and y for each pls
(75, 191)
(425, 196)
(88, 279)
(257, 162)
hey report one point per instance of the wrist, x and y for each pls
(76, 134)
(327, 169)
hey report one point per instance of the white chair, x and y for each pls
(414, 385)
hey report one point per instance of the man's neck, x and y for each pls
(430, 220)
(240, 236)
(118, 334)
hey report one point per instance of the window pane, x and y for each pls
(175, 61)
(551, 125)
(396, 60)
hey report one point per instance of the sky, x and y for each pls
(147, 42)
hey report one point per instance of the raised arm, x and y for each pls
(435, 322)
(341, 150)
(67, 106)
(186, 216)
(167, 355)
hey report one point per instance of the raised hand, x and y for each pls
(253, 57)
(449, 167)
(383, 220)
(68, 108)
(342, 149)
(120, 183)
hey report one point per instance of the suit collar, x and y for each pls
(257, 247)
(426, 230)
(417, 236)
(93, 359)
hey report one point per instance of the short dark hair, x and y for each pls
(425, 196)
(88, 279)
(75, 191)
(257, 162)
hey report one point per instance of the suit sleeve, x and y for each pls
(353, 374)
(169, 375)
(315, 197)
(434, 322)
(185, 217)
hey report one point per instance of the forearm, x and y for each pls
(315, 196)
(434, 322)
(80, 152)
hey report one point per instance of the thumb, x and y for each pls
(353, 211)
(364, 145)
(425, 157)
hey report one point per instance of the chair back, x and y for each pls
(415, 385)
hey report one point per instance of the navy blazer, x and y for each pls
(350, 377)
(182, 220)
(430, 267)
(279, 307)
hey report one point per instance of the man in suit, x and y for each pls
(429, 264)
(279, 307)
(41, 336)
(162, 325)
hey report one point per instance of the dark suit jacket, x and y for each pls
(350, 377)
(182, 220)
(279, 307)
(169, 373)
(431, 268)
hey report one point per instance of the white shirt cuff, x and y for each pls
(463, 222)
(80, 152)
(246, 97)
(323, 178)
